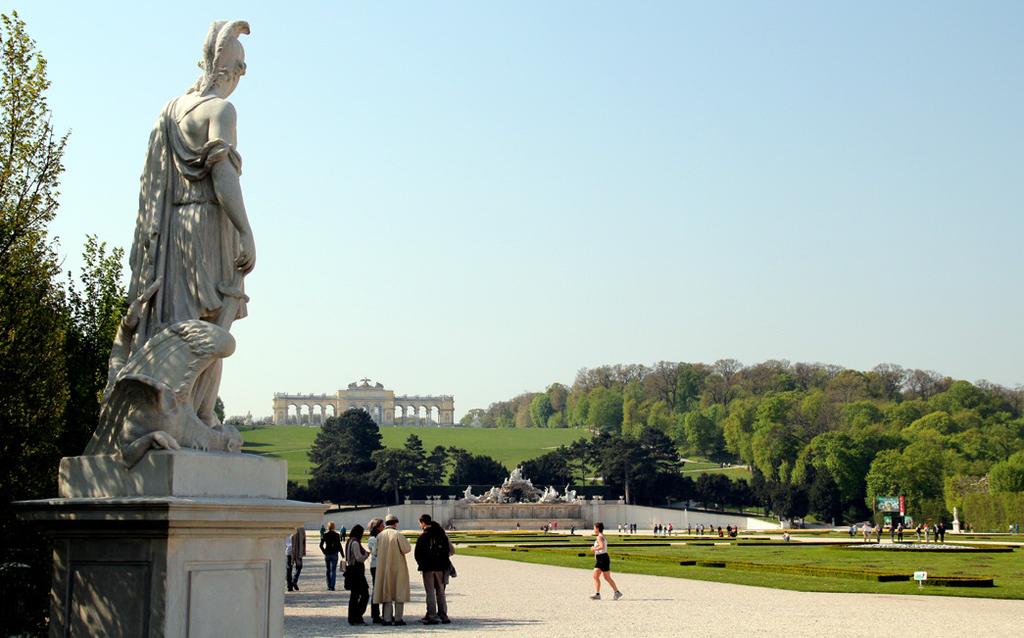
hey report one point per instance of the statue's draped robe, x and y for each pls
(182, 236)
(391, 583)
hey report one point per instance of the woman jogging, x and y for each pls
(602, 564)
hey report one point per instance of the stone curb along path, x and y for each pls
(497, 597)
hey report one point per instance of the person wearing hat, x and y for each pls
(391, 585)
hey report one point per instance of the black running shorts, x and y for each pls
(602, 562)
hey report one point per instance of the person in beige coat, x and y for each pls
(391, 584)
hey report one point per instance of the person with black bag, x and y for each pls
(433, 558)
(355, 576)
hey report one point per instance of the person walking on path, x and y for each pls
(433, 552)
(375, 526)
(295, 554)
(355, 577)
(391, 587)
(602, 564)
(330, 545)
(288, 561)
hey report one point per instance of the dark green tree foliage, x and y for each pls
(95, 305)
(713, 491)
(342, 457)
(636, 466)
(788, 501)
(824, 500)
(33, 389)
(549, 469)
(475, 469)
(395, 469)
(436, 465)
(422, 473)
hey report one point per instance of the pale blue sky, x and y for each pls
(481, 198)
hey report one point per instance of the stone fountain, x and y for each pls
(518, 504)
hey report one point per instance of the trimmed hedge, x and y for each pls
(994, 512)
(960, 581)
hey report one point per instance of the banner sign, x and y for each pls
(887, 504)
(903, 504)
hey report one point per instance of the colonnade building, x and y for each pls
(384, 406)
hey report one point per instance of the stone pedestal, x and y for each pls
(137, 555)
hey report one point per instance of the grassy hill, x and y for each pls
(509, 446)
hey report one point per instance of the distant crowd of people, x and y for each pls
(386, 591)
(928, 532)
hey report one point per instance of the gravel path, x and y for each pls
(517, 599)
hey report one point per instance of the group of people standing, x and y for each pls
(934, 532)
(386, 549)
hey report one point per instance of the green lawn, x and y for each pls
(509, 446)
(1007, 569)
(695, 466)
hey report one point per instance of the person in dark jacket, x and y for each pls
(330, 545)
(355, 579)
(433, 558)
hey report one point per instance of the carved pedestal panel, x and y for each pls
(176, 566)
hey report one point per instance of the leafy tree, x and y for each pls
(775, 444)
(824, 499)
(558, 397)
(605, 412)
(414, 445)
(1008, 475)
(742, 494)
(738, 429)
(95, 305)
(917, 472)
(548, 469)
(395, 468)
(33, 389)
(702, 435)
(522, 418)
(437, 465)
(475, 469)
(788, 500)
(342, 456)
(713, 490)
(635, 465)
(541, 410)
(578, 458)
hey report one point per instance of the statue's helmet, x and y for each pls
(220, 41)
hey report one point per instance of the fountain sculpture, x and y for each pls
(517, 503)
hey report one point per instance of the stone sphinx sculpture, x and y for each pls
(193, 247)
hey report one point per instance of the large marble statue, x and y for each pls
(193, 247)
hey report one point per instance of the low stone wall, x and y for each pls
(538, 511)
(611, 513)
(524, 524)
